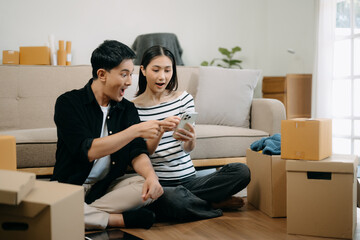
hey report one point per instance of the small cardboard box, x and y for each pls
(267, 188)
(14, 186)
(50, 211)
(34, 55)
(8, 152)
(321, 196)
(306, 138)
(10, 57)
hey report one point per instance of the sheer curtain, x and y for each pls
(337, 72)
(323, 71)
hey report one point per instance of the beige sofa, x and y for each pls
(28, 94)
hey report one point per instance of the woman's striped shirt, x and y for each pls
(170, 161)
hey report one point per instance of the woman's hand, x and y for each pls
(185, 134)
(170, 123)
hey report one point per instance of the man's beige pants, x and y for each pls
(123, 194)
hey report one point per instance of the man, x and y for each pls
(99, 135)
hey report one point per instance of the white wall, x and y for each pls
(264, 29)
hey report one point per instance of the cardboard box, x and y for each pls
(7, 152)
(306, 138)
(50, 211)
(34, 56)
(14, 186)
(321, 196)
(267, 188)
(10, 57)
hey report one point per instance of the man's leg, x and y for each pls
(123, 194)
(114, 208)
(220, 185)
(94, 218)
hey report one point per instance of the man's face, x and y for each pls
(118, 80)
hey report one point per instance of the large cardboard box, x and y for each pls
(321, 196)
(14, 186)
(35, 55)
(10, 57)
(50, 211)
(267, 188)
(7, 152)
(306, 138)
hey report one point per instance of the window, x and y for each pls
(346, 78)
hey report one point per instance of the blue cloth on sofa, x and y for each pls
(269, 145)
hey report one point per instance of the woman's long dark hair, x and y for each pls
(149, 55)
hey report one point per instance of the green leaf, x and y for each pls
(204, 63)
(235, 61)
(226, 60)
(224, 51)
(212, 62)
(236, 49)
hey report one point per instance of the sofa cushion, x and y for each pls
(36, 135)
(34, 147)
(35, 155)
(224, 96)
(28, 93)
(214, 141)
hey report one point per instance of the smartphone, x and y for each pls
(187, 118)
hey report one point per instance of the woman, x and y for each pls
(158, 98)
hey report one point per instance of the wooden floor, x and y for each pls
(247, 223)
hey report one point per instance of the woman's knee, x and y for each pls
(237, 168)
(240, 171)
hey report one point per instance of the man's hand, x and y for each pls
(149, 129)
(151, 188)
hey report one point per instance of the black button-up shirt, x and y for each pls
(78, 118)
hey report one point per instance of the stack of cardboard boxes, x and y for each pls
(314, 189)
(33, 209)
(28, 56)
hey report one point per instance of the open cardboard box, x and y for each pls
(267, 188)
(50, 211)
(14, 186)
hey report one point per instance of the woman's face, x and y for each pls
(158, 73)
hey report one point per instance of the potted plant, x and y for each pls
(227, 61)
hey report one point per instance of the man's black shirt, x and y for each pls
(78, 118)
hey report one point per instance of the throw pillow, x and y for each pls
(224, 96)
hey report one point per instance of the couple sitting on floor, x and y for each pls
(100, 133)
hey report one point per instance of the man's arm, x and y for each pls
(152, 188)
(104, 146)
(168, 124)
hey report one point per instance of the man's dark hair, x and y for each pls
(109, 55)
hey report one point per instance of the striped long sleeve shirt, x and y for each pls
(170, 161)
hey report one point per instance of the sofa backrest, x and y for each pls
(28, 93)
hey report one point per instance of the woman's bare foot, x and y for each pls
(229, 204)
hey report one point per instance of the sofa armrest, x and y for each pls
(266, 115)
